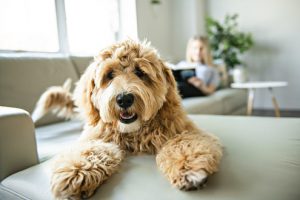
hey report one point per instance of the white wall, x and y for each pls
(187, 20)
(169, 25)
(153, 23)
(275, 25)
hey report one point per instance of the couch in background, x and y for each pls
(24, 79)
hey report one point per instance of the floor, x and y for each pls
(284, 113)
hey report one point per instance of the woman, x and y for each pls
(202, 81)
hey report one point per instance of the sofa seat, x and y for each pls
(223, 102)
(261, 161)
(53, 138)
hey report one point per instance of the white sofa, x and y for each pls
(23, 79)
(261, 161)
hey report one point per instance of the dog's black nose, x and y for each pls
(125, 100)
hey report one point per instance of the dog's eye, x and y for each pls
(110, 75)
(139, 73)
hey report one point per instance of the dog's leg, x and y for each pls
(79, 171)
(188, 159)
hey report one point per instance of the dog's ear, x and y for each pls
(172, 93)
(169, 76)
(83, 96)
(173, 99)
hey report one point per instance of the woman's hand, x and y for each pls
(195, 82)
(198, 83)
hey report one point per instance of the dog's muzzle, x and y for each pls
(125, 100)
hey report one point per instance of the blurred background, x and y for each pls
(83, 28)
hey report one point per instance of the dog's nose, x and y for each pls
(125, 100)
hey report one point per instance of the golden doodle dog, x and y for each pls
(130, 103)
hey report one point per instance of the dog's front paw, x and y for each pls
(80, 170)
(191, 180)
(76, 182)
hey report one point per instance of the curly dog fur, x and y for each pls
(129, 100)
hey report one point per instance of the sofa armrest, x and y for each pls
(17, 141)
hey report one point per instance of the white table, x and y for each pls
(252, 86)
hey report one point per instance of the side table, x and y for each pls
(252, 86)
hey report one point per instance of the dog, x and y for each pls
(129, 100)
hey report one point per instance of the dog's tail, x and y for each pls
(57, 99)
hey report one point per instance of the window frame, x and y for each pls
(63, 42)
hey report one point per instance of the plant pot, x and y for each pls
(239, 75)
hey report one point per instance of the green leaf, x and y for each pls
(226, 41)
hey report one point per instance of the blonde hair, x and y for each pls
(207, 59)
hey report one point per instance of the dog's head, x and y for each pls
(126, 86)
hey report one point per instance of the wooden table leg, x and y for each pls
(250, 101)
(276, 107)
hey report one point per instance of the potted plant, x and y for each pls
(228, 43)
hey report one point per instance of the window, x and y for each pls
(67, 26)
(28, 25)
(91, 24)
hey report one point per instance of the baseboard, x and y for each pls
(270, 112)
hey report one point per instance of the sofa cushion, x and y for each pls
(222, 102)
(232, 99)
(81, 63)
(52, 139)
(24, 79)
(261, 161)
(203, 105)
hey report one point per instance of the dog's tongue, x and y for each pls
(126, 115)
